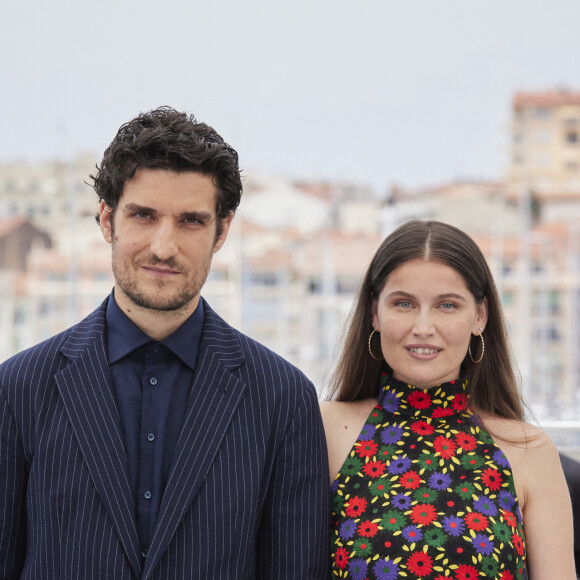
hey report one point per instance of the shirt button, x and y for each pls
(145, 553)
(153, 381)
(151, 436)
(156, 348)
(147, 495)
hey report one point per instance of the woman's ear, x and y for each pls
(481, 319)
(374, 313)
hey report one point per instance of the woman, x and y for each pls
(438, 476)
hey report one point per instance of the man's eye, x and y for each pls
(142, 215)
(448, 306)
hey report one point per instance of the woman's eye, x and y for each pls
(448, 306)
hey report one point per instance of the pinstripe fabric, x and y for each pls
(248, 492)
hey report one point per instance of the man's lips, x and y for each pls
(158, 271)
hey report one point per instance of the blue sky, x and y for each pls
(374, 91)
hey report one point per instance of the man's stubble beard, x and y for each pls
(178, 299)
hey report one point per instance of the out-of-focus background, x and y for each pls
(349, 118)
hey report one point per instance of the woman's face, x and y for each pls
(426, 316)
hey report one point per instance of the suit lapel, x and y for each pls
(86, 390)
(212, 404)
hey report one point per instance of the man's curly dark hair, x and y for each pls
(168, 139)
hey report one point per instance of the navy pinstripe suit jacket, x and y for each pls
(248, 494)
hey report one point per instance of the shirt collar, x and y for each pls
(124, 336)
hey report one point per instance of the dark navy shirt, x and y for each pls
(152, 381)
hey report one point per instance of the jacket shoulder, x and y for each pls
(46, 357)
(259, 363)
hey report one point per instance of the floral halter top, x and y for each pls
(425, 493)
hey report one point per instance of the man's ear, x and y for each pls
(105, 221)
(225, 222)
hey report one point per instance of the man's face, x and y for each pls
(163, 236)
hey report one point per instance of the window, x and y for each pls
(507, 298)
(542, 112)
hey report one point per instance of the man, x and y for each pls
(152, 440)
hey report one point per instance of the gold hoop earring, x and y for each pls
(371, 348)
(482, 349)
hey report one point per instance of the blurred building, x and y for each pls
(545, 133)
(296, 253)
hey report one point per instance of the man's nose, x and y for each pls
(164, 241)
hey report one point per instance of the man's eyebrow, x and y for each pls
(202, 216)
(133, 207)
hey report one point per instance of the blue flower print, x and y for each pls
(401, 501)
(386, 570)
(367, 433)
(412, 534)
(358, 569)
(506, 500)
(485, 506)
(500, 458)
(439, 481)
(391, 434)
(399, 465)
(391, 402)
(483, 544)
(454, 526)
(347, 529)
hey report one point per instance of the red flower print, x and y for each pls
(466, 441)
(366, 448)
(422, 428)
(420, 564)
(518, 544)
(459, 402)
(445, 447)
(466, 572)
(356, 506)
(368, 529)
(491, 479)
(424, 514)
(419, 399)
(441, 412)
(509, 518)
(476, 521)
(506, 575)
(410, 480)
(341, 558)
(374, 468)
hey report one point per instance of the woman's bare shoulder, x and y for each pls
(343, 422)
(524, 444)
(516, 432)
(336, 413)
